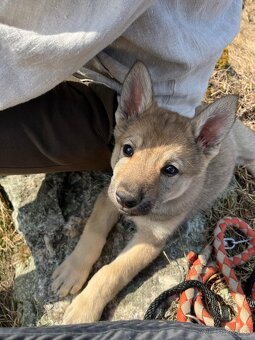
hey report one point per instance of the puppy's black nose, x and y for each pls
(127, 200)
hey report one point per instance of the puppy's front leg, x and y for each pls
(73, 272)
(110, 279)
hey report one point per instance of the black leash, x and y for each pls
(249, 284)
(159, 306)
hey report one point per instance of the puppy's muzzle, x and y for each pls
(127, 200)
(132, 204)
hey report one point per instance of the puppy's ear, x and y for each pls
(213, 124)
(136, 95)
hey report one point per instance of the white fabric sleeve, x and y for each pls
(44, 42)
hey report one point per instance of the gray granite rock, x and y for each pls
(49, 210)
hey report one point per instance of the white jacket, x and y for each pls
(42, 42)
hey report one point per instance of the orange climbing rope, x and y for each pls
(202, 268)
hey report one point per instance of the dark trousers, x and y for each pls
(68, 128)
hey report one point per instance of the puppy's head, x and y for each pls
(159, 154)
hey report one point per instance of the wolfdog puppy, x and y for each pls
(166, 167)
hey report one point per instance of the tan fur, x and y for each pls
(159, 137)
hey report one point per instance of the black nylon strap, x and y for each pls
(249, 284)
(158, 307)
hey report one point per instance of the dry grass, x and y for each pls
(240, 204)
(9, 244)
(235, 72)
(225, 80)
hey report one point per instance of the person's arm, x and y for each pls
(44, 42)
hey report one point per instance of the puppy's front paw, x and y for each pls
(82, 310)
(69, 277)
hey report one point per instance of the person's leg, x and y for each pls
(69, 128)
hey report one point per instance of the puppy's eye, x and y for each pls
(128, 150)
(169, 170)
